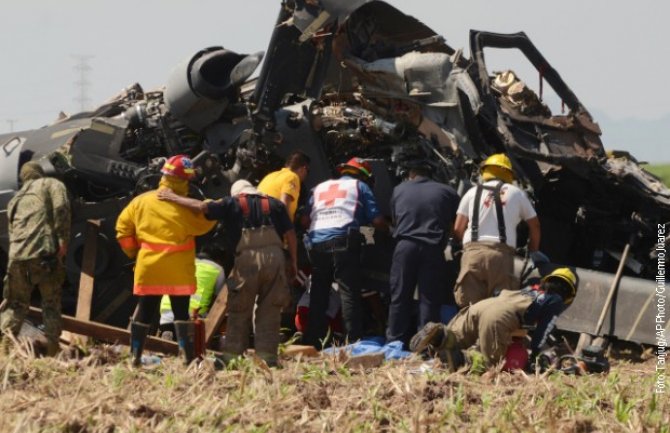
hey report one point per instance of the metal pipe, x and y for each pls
(613, 287)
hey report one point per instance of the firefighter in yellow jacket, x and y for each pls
(159, 235)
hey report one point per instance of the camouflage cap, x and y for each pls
(31, 170)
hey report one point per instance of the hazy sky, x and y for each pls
(612, 54)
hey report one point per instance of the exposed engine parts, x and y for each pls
(341, 79)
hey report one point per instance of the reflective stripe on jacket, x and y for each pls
(160, 235)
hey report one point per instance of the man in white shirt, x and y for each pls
(486, 222)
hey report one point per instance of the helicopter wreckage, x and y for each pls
(362, 78)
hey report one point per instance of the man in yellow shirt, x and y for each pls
(284, 184)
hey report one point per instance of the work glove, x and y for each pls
(539, 258)
(453, 250)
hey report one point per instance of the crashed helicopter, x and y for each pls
(361, 78)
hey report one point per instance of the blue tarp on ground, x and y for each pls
(369, 345)
(392, 350)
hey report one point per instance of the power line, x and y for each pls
(11, 123)
(82, 83)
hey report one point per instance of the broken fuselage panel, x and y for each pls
(341, 79)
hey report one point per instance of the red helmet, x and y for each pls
(179, 166)
(356, 165)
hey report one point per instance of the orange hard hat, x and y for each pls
(179, 166)
(355, 165)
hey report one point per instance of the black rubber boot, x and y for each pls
(138, 335)
(269, 358)
(222, 361)
(53, 347)
(185, 330)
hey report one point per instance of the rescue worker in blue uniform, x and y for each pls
(337, 209)
(423, 213)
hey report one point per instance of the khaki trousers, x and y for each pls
(258, 279)
(485, 268)
(492, 322)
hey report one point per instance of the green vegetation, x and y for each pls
(101, 392)
(660, 170)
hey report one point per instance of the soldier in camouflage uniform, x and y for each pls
(39, 228)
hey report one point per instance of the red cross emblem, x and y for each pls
(331, 194)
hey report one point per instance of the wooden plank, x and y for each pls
(69, 337)
(613, 290)
(133, 318)
(584, 341)
(114, 335)
(87, 277)
(295, 350)
(120, 299)
(365, 362)
(216, 314)
(109, 334)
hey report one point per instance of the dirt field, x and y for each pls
(100, 392)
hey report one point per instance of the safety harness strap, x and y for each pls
(475, 214)
(502, 233)
(265, 209)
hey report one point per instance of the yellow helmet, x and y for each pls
(498, 166)
(565, 274)
(498, 160)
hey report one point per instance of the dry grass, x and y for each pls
(100, 392)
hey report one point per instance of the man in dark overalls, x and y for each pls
(423, 213)
(255, 226)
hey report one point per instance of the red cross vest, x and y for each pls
(335, 203)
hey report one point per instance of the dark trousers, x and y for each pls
(342, 267)
(415, 263)
(149, 306)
